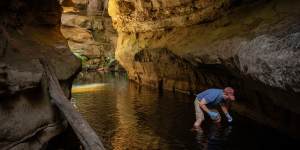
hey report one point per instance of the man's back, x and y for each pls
(211, 96)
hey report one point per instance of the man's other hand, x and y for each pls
(229, 118)
(213, 115)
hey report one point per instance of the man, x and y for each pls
(213, 98)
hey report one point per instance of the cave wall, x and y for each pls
(30, 30)
(191, 45)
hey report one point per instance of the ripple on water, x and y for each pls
(127, 116)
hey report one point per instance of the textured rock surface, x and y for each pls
(29, 30)
(89, 31)
(273, 60)
(150, 15)
(94, 7)
(196, 44)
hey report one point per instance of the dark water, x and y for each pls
(128, 116)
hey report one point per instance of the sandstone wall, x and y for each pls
(88, 29)
(191, 45)
(30, 30)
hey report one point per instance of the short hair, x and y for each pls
(229, 91)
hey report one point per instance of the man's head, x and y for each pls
(229, 94)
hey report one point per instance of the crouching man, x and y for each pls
(213, 98)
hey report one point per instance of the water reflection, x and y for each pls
(129, 133)
(135, 112)
(128, 116)
(88, 88)
(213, 137)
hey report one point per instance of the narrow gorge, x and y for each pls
(182, 46)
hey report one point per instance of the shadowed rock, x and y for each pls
(29, 30)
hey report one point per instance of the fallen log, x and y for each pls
(82, 129)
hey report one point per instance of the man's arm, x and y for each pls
(202, 105)
(213, 115)
(224, 108)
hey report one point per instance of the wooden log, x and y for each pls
(82, 129)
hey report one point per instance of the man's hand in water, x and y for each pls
(229, 118)
(224, 109)
(213, 115)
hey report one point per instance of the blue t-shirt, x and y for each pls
(211, 96)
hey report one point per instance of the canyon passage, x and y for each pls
(136, 65)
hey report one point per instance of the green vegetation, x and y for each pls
(81, 57)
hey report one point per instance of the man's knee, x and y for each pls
(199, 116)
